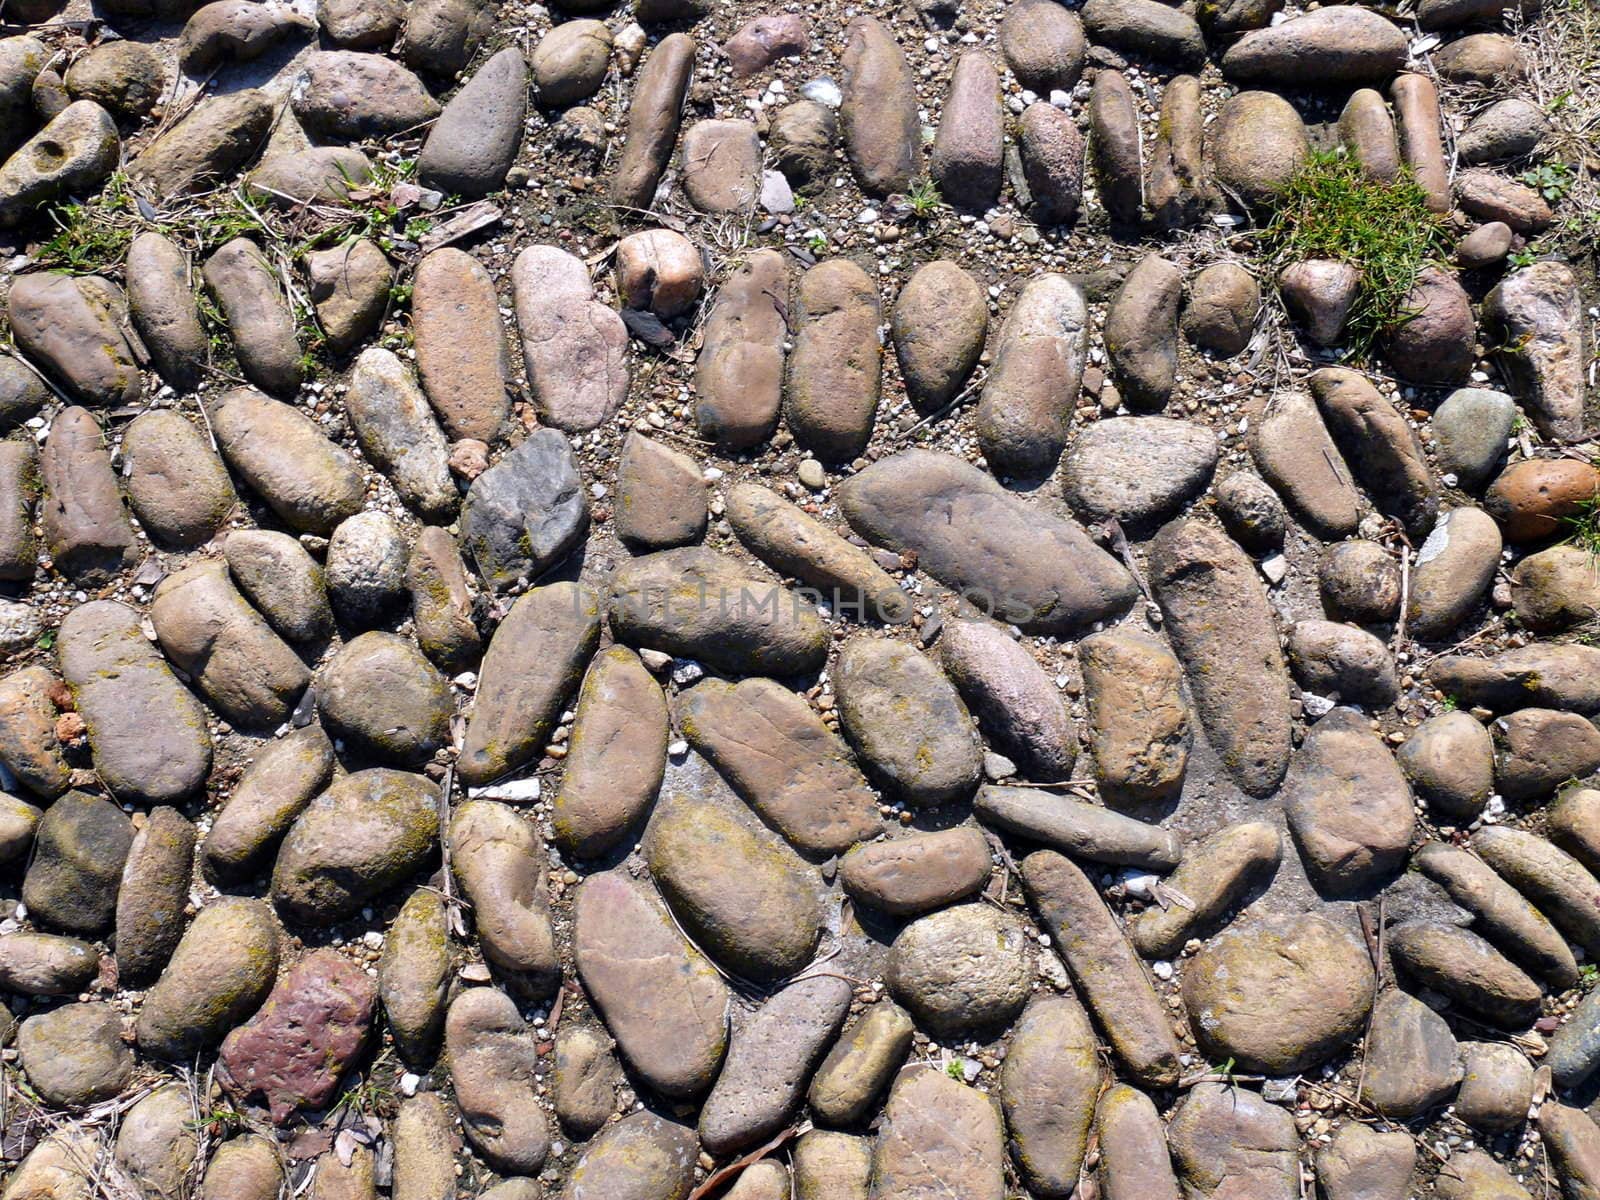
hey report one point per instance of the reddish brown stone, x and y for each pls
(312, 1026)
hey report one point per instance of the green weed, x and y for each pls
(924, 199)
(1583, 526)
(1552, 180)
(1332, 210)
(92, 238)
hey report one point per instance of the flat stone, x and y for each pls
(1362, 1164)
(1540, 750)
(743, 895)
(940, 318)
(764, 40)
(350, 96)
(574, 346)
(1455, 566)
(1223, 631)
(1230, 1142)
(245, 1167)
(1077, 827)
(1534, 499)
(534, 662)
(1554, 590)
(1280, 995)
(293, 1052)
(1388, 455)
(660, 997)
(653, 118)
(29, 746)
(311, 483)
(1491, 197)
(220, 973)
(73, 327)
(320, 175)
(1214, 876)
(1470, 430)
(500, 861)
(1049, 1084)
(1043, 45)
(587, 1075)
(475, 140)
(414, 974)
(1334, 660)
(1539, 675)
(616, 755)
(218, 136)
(365, 834)
(366, 572)
(1016, 703)
(793, 543)
(380, 696)
(915, 874)
(1496, 1086)
(157, 1143)
(1258, 143)
(1473, 1175)
(526, 513)
(1295, 453)
(272, 792)
(961, 969)
(1141, 334)
(176, 483)
(1139, 470)
(1052, 151)
(861, 1064)
(1464, 967)
(1134, 1161)
(661, 499)
(1538, 309)
(1412, 1063)
(569, 63)
(71, 156)
(906, 722)
(425, 1143)
(493, 1060)
(1223, 305)
(769, 1059)
(1500, 914)
(1349, 805)
(696, 603)
(974, 536)
(210, 632)
(85, 526)
(441, 603)
(641, 1157)
(282, 580)
(1115, 149)
(259, 317)
(1550, 878)
(1034, 384)
(147, 733)
(970, 144)
(349, 287)
(835, 368)
(75, 1055)
(882, 132)
(462, 360)
(779, 756)
(442, 37)
(399, 435)
(156, 879)
(1340, 44)
(46, 964)
(1449, 760)
(1109, 977)
(721, 165)
(938, 1138)
(739, 372)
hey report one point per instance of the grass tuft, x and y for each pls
(1583, 525)
(1332, 210)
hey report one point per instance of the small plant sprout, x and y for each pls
(1552, 180)
(924, 200)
